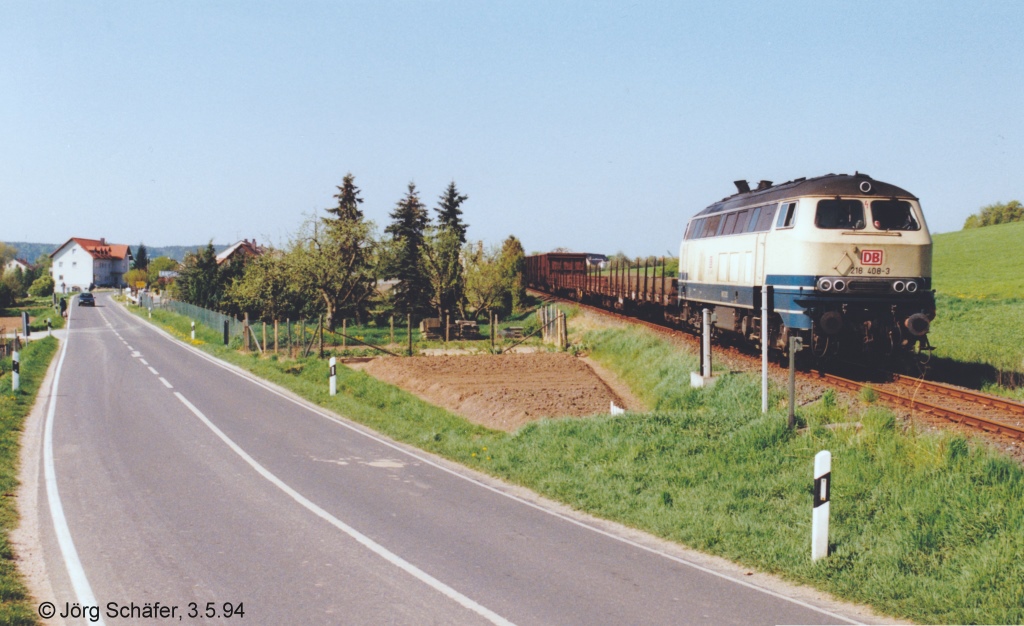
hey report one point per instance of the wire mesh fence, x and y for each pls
(395, 335)
(211, 319)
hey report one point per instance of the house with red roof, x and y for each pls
(81, 263)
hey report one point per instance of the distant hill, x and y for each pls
(31, 251)
(981, 262)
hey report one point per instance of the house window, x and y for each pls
(61, 264)
(74, 264)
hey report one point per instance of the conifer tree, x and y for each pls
(449, 213)
(407, 230)
(348, 201)
(141, 260)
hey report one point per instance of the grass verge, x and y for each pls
(15, 604)
(926, 526)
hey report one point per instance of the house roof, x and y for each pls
(244, 246)
(22, 263)
(98, 248)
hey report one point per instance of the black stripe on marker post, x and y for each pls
(822, 489)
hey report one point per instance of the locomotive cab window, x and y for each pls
(840, 214)
(786, 215)
(893, 215)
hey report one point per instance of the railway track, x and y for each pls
(965, 407)
(968, 408)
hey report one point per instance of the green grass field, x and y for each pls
(15, 605)
(979, 329)
(924, 526)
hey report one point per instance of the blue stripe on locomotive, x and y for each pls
(793, 294)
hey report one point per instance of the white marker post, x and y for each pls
(334, 376)
(764, 348)
(704, 378)
(15, 371)
(822, 495)
(193, 331)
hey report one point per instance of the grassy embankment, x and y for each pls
(15, 605)
(979, 329)
(924, 526)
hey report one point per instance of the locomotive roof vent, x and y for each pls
(764, 184)
(742, 186)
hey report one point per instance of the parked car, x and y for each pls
(86, 299)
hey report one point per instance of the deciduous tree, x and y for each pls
(998, 213)
(332, 258)
(485, 282)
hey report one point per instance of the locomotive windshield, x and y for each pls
(844, 214)
(893, 215)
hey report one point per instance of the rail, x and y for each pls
(953, 415)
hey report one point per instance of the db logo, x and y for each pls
(870, 257)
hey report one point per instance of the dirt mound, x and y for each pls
(502, 391)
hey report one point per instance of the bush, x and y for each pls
(42, 286)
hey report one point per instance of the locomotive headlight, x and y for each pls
(911, 286)
(824, 284)
(839, 284)
(898, 286)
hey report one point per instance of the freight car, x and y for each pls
(845, 261)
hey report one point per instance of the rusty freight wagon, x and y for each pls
(645, 288)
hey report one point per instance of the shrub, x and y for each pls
(42, 286)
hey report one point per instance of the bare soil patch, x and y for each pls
(504, 391)
(12, 323)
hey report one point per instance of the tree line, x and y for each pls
(998, 213)
(17, 283)
(338, 265)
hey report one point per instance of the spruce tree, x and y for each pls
(449, 215)
(348, 202)
(407, 230)
(141, 260)
(444, 247)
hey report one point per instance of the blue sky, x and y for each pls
(588, 125)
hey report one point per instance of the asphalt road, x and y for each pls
(171, 478)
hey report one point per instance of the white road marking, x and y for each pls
(166, 384)
(73, 565)
(155, 373)
(143, 361)
(375, 547)
(539, 507)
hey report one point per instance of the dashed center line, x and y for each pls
(155, 373)
(166, 384)
(143, 361)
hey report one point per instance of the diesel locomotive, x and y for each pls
(844, 260)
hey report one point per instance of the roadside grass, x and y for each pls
(15, 604)
(926, 526)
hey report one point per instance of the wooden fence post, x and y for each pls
(408, 322)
